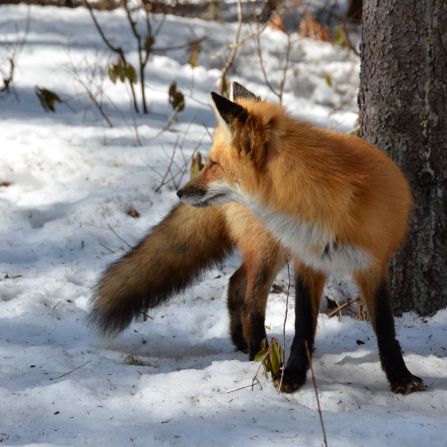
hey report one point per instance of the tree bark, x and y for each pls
(403, 111)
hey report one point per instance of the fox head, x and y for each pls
(242, 146)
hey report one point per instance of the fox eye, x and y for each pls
(212, 162)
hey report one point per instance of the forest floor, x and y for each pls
(68, 182)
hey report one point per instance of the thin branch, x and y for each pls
(207, 130)
(351, 46)
(118, 236)
(168, 123)
(284, 330)
(344, 23)
(230, 60)
(88, 86)
(177, 176)
(101, 32)
(314, 382)
(107, 248)
(241, 42)
(342, 306)
(282, 84)
(160, 25)
(168, 170)
(279, 93)
(261, 362)
(141, 60)
(246, 386)
(117, 50)
(261, 63)
(8, 77)
(69, 372)
(133, 114)
(97, 104)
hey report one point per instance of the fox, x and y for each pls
(278, 189)
(337, 204)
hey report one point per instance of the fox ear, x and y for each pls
(228, 112)
(239, 91)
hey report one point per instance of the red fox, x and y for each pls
(336, 203)
(276, 188)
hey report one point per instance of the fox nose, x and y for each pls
(180, 193)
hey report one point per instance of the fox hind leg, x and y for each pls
(376, 293)
(247, 298)
(236, 293)
(259, 282)
(248, 294)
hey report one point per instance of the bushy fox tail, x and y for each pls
(165, 262)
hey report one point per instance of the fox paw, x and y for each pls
(407, 385)
(290, 383)
(239, 343)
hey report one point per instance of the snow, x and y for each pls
(171, 380)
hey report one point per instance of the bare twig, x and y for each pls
(11, 59)
(118, 236)
(286, 67)
(280, 92)
(230, 60)
(169, 122)
(69, 372)
(351, 46)
(207, 131)
(106, 247)
(314, 382)
(114, 49)
(261, 362)
(342, 306)
(142, 58)
(8, 75)
(284, 330)
(246, 386)
(97, 104)
(176, 177)
(135, 126)
(89, 85)
(344, 23)
(241, 41)
(168, 170)
(261, 62)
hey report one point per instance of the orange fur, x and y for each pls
(339, 182)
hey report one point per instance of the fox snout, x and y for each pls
(200, 196)
(192, 195)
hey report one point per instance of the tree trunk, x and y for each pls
(403, 111)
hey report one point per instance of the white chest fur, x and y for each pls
(314, 246)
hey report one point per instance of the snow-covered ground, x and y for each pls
(166, 381)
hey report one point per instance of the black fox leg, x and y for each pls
(309, 287)
(236, 294)
(262, 268)
(258, 287)
(378, 299)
